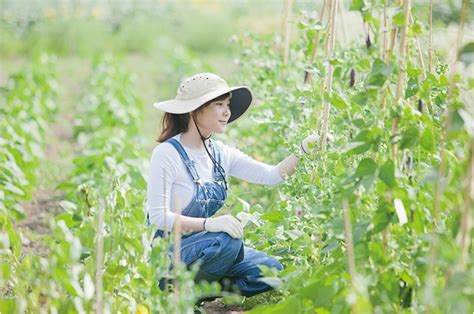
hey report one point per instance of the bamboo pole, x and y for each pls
(430, 38)
(403, 51)
(439, 186)
(99, 307)
(420, 53)
(393, 37)
(307, 75)
(386, 51)
(385, 37)
(288, 11)
(448, 115)
(402, 71)
(430, 49)
(343, 28)
(322, 85)
(329, 71)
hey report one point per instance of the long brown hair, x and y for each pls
(175, 123)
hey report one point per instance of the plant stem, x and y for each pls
(420, 53)
(439, 185)
(343, 28)
(99, 259)
(329, 71)
(348, 239)
(289, 8)
(466, 220)
(430, 37)
(385, 30)
(448, 116)
(393, 37)
(307, 75)
(403, 51)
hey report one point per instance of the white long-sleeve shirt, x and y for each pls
(166, 165)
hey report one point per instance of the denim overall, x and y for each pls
(221, 257)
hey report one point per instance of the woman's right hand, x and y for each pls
(225, 223)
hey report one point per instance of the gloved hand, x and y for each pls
(225, 223)
(307, 145)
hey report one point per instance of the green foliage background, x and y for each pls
(95, 68)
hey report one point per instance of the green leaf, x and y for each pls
(382, 218)
(467, 53)
(67, 218)
(387, 173)
(410, 137)
(427, 140)
(332, 245)
(356, 5)
(321, 293)
(10, 187)
(274, 215)
(399, 19)
(356, 148)
(367, 167)
(379, 73)
(338, 102)
(412, 88)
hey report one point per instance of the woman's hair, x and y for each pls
(175, 123)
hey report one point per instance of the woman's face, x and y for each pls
(213, 118)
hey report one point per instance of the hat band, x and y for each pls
(191, 97)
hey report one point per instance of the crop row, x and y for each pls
(27, 107)
(99, 249)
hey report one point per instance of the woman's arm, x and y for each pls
(225, 223)
(189, 224)
(288, 166)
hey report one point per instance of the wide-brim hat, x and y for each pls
(195, 91)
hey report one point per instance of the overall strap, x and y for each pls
(188, 162)
(217, 156)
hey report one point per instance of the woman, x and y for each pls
(189, 170)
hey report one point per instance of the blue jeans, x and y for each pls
(225, 259)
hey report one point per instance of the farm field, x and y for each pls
(377, 218)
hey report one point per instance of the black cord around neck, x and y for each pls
(215, 163)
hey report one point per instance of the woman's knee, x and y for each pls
(229, 246)
(223, 253)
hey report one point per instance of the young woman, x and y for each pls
(189, 170)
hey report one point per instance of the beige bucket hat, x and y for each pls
(195, 91)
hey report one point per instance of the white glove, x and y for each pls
(225, 223)
(309, 142)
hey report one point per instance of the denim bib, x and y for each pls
(208, 197)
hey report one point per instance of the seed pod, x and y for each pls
(306, 76)
(420, 105)
(352, 80)
(368, 43)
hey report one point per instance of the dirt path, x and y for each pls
(217, 306)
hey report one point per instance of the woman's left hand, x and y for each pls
(308, 144)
